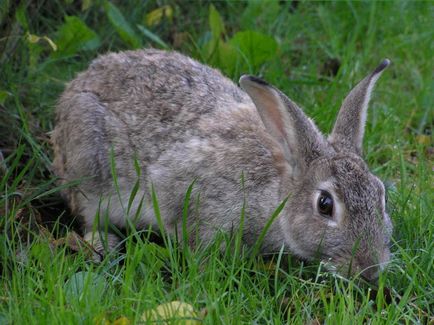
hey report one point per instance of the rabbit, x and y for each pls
(166, 120)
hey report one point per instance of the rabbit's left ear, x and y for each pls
(299, 138)
(350, 124)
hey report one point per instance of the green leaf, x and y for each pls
(246, 50)
(158, 251)
(227, 58)
(152, 37)
(215, 23)
(256, 47)
(122, 27)
(73, 36)
(84, 285)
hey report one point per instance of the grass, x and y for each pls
(323, 50)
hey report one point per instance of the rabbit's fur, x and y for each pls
(182, 121)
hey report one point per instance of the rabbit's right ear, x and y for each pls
(349, 128)
(299, 138)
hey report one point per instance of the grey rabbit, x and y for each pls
(182, 121)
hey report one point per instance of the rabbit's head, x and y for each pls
(336, 206)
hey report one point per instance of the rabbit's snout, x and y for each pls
(369, 264)
(372, 272)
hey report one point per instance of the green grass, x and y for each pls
(323, 50)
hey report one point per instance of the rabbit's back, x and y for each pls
(137, 103)
(152, 79)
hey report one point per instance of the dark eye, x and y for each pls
(325, 203)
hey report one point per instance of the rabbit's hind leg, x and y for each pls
(102, 243)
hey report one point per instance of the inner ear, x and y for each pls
(349, 128)
(299, 138)
(272, 112)
(271, 105)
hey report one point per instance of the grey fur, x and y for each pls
(184, 121)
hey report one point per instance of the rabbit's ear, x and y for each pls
(350, 124)
(298, 136)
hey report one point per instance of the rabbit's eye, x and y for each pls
(325, 203)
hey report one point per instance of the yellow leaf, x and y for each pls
(85, 4)
(101, 320)
(122, 321)
(175, 312)
(51, 43)
(155, 16)
(423, 139)
(32, 38)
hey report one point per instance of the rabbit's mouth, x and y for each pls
(358, 266)
(369, 274)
